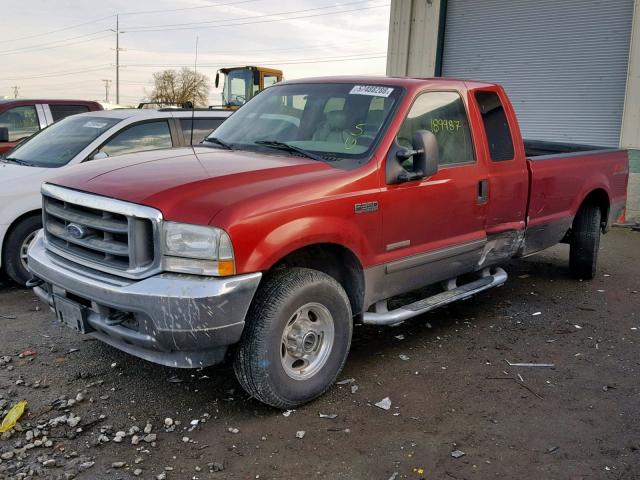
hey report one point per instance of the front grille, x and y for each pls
(101, 233)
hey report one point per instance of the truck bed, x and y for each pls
(561, 177)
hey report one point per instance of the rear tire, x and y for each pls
(585, 241)
(296, 338)
(15, 248)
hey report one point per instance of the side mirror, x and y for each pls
(217, 82)
(424, 155)
(4, 134)
(100, 156)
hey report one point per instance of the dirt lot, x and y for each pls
(445, 373)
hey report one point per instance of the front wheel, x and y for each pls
(15, 249)
(585, 241)
(296, 339)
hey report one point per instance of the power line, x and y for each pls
(142, 27)
(96, 20)
(259, 21)
(338, 57)
(144, 12)
(50, 32)
(40, 46)
(63, 73)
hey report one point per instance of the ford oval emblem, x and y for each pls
(76, 231)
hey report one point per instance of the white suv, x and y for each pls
(71, 141)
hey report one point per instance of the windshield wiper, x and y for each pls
(17, 161)
(217, 141)
(292, 148)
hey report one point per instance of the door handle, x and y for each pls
(483, 191)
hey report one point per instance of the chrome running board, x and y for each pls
(382, 316)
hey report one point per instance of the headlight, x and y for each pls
(197, 250)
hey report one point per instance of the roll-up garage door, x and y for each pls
(563, 63)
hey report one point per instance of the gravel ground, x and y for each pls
(452, 394)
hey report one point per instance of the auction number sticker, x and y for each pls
(373, 90)
(93, 124)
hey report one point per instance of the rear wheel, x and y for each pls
(296, 339)
(585, 241)
(16, 247)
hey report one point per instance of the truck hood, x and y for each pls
(191, 185)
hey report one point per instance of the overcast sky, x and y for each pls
(45, 51)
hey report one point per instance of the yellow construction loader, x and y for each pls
(241, 84)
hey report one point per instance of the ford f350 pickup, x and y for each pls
(304, 213)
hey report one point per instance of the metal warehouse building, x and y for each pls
(570, 67)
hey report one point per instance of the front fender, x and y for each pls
(302, 232)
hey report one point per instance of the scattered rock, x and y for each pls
(215, 466)
(457, 454)
(233, 430)
(118, 464)
(346, 381)
(330, 416)
(384, 404)
(300, 434)
(85, 466)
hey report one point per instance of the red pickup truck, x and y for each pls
(306, 211)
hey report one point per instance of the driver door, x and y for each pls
(434, 228)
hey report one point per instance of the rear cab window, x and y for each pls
(58, 111)
(496, 126)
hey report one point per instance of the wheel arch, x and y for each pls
(599, 197)
(337, 261)
(12, 226)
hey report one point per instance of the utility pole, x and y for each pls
(118, 49)
(107, 85)
(16, 91)
(118, 59)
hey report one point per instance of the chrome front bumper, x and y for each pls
(177, 320)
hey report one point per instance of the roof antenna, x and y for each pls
(195, 85)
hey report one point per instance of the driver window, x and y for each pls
(145, 136)
(443, 114)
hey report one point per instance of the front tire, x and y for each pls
(296, 338)
(15, 248)
(585, 241)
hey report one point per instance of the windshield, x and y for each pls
(56, 145)
(335, 120)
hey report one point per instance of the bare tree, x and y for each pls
(180, 86)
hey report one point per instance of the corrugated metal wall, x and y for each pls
(563, 63)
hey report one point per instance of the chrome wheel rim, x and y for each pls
(307, 341)
(24, 249)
